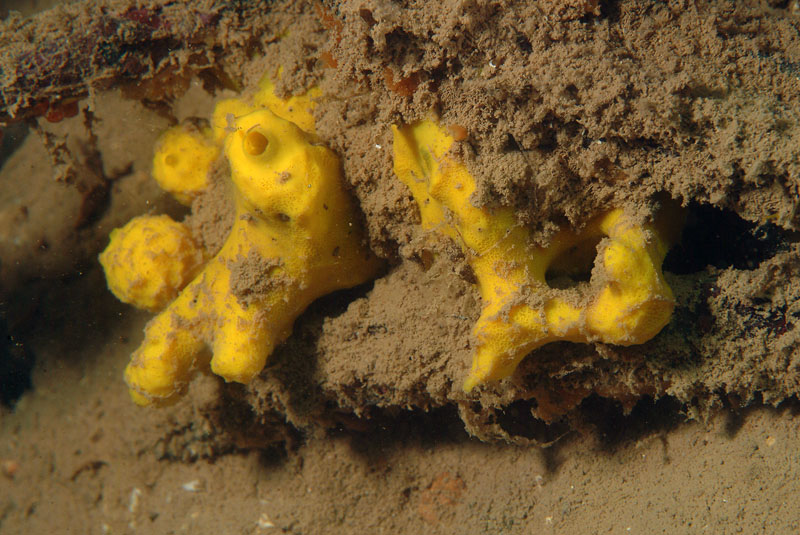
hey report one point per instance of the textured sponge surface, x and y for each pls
(149, 260)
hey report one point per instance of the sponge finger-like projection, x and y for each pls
(626, 301)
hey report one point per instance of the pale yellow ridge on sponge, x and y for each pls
(627, 300)
(297, 109)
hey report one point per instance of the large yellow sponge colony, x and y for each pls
(295, 238)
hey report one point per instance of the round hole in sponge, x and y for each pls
(255, 143)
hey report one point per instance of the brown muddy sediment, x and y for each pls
(566, 113)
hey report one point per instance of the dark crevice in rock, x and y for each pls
(722, 239)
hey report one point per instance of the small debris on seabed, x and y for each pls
(9, 468)
(133, 502)
(264, 521)
(194, 485)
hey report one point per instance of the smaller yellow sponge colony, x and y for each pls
(149, 260)
(182, 159)
(627, 301)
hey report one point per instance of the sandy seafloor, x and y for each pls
(358, 425)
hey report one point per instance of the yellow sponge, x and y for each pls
(182, 159)
(149, 260)
(297, 109)
(627, 301)
(296, 237)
